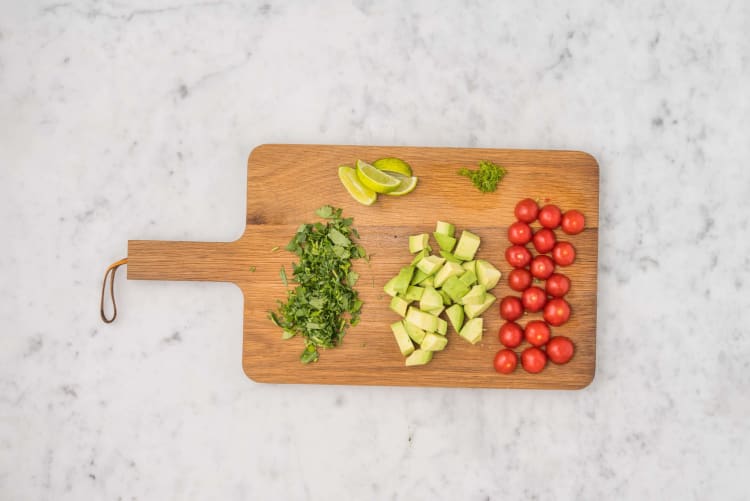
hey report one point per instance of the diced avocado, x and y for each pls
(436, 311)
(418, 242)
(455, 288)
(402, 279)
(467, 246)
(450, 257)
(428, 282)
(388, 287)
(475, 295)
(447, 301)
(431, 299)
(418, 277)
(445, 242)
(419, 357)
(455, 314)
(442, 327)
(402, 338)
(470, 266)
(430, 264)
(468, 277)
(415, 333)
(487, 274)
(414, 293)
(418, 256)
(474, 310)
(445, 228)
(399, 305)
(433, 342)
(448, 270)
(423, 320)
(472, 331)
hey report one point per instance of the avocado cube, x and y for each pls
(436, 311)
(487, 274)
(445, 242)
(447, 301)
(428, 282)
(419, 357)
(419, 275)
(415, 333)
(474, 310)
(475, 295)
(402, 279)
(467, 246)
(470, 266)
(399, 305)
(430, 300)
(450, 257)
(418, 242)
(433, 342)
(472, 330)
(468, 277)
(414, 293)
(402, 338)
(421, 319)
(445, 228)
(389, 286)
(430, 264)
(455, 288)
(442, 327)
(448, 270)
(455, 314)
(418, 256)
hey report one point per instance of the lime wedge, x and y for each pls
(393, 165)
(360, 193)
(406, 185)
(375, 179)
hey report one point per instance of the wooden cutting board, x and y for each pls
(286, 183)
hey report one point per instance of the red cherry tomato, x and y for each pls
(505, 361)
(564, 253)
(549, 216)
(518, 256)
(557, 285)
(573, 222)
(557, 312)
(526, 210)
(510, 334)
(533, 360)
(544, 240)
(519, 233)
(537, 333)
(519, 279)
(533, 299)
(560, 349)
(542, 267)
(511, 308)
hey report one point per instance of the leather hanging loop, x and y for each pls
(110, 274)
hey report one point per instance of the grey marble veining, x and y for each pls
(134, 119)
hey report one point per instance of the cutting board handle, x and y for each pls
(172, 260)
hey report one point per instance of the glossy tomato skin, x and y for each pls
(542, 267)
(560, 349)
(533, 360)
(533, 299)
(557, 312)
(573, 222)
(550, 216)
(505, 361)
(544, 240)
(511, 308)
(519, 279)
(537, 333)
(519, 233)
(510, 334)
(526, 210)
(518, 256)
(564, 253)
(557, 285)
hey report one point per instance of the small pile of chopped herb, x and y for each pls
(324, 302)
(486, 177)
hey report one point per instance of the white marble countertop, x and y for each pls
(127, 120)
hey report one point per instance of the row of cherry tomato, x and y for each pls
(556, 310)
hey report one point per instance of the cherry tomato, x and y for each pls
(557, 285)
(519, 279)
(511, 308)
(564, 253)
(544, 240)
(510, 334)
(533, 360)
(526, 210)
(549, 216)
(519, 233)
(573, 222)
(560, 349)
(518, 256)
(505, 361)
(557, 312)
(536, 333)
(542, 267)
(533, 299)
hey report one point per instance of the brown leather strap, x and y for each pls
(110, 273)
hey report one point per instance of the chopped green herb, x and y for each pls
(324, 302)
(486, 177)
(252, 268)
(275, 249)
(283, 276)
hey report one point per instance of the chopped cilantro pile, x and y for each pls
(486, 177)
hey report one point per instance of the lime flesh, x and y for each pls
(375, 179)
(393, 165)
(406, 185)
(359, 192)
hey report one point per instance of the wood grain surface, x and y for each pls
(286, 183)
